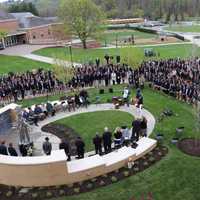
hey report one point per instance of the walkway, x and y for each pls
(49, 60)
(38, 136)
(147, 45)
(21, 50)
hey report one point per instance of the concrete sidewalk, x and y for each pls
(50, 60)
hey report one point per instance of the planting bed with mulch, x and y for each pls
(190, 146)
(64, 132)
(41, 193)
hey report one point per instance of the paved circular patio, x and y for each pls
(38, 136)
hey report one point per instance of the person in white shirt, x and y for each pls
(113, 77)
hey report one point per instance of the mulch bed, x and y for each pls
(190, 146)
(65, 132)
(41, 193)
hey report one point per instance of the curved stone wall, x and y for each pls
(54, 170)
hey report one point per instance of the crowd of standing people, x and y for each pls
(105, 143)
(177, 77)
(17, 86)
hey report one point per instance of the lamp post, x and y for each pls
(71, 57)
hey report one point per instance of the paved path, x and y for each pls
(38, 136)
(20, 50)
(49, 60)
(147, 45)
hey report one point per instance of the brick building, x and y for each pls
(10, 26)
(25, 27)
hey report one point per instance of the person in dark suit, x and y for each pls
(97, 62)
(107, 140)
(23, 150)
(80, 148)
(47, 147)
(11, 150)
(97, 141)
(65, 146)
(3, 148)
(136, 130)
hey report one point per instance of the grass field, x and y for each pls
(19, 64)
(110, 36)
(184, 28)
(83, 56)
(176, 177)
(87, 124)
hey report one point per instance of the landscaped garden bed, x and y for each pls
(190, 146)
(41, 193)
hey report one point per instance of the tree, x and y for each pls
(3, 34)
(83, 17)
(47, 8)
(23, 7)
(62, 70)
(132, 56)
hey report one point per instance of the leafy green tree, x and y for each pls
(3, 34)
(132, 56)
(23, 7)
(62, 70)
(83, 18)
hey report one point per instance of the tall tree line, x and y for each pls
(153, 9)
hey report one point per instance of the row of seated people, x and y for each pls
(38, 112)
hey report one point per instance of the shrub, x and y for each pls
(126, 173)
(164, 148)
(136, 169)
(102, 183)
(49, 194)
(57, 187)
(136, 162)
(105, 175)
(151, 159)
(80, 183)
(150, 153)
(89, 186)
(34, 195)
(9, 194)
(114, 179)
(94, 180)
(61, 192)
(70, 185)
(76, 190)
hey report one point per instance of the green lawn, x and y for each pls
(83, 56)
(87, 124)
(110, 36)
(19, 64)
(176, 177)
(92, 92)
(184, 28)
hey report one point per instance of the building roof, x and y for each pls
(4, 15)
(28, 20)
